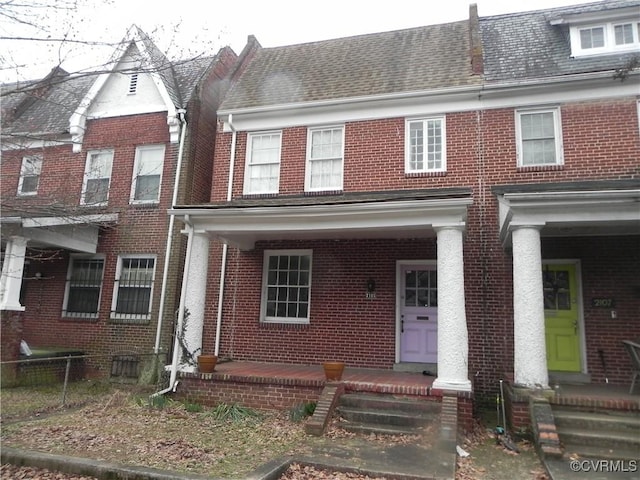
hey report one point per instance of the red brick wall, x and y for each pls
(601, 142)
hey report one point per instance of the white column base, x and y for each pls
(443, 384)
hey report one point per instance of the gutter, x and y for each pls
(225, 246)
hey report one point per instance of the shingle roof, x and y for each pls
(527, 46)
(50, 110)
(416, 59)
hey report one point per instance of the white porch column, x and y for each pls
(195, 276)
(453, 342)
(12, 268)
(530, 353)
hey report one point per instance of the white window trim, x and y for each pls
(265, 273)
(116, 285)
(22, 175)
(609, 38)
(67, 288)
(248, 163)
(86, 177)
(407, 145)
(307, 175)
(134, 177)
(557, 132)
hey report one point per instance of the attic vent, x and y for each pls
(133, 83)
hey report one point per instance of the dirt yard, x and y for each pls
(118, 425)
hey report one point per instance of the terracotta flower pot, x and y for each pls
(207, 363)
(333, 370)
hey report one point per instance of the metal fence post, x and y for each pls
(66, 380)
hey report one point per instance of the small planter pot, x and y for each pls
(207, 363)
(333, 370)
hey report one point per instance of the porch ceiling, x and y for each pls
(571, 213)
(243, 226)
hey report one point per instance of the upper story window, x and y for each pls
(83, 287)
(133, 287)
(147, 174)
(539, 139)
(425, 145)
(262, 173)
(30, 175)
(325, 159)
(605, 37)
(286, 286)
(97, 176)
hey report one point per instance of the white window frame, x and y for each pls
(610, 45)
(264, 317)
(137, 168)
(88, 176)
(557, 132)
(332, 159)
(31, 167)
(68, 286)
(116, 288)
(442, 167)
(250, 165)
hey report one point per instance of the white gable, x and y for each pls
(122, 96)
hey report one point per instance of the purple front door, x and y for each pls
(418, 314)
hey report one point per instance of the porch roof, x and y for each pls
(571, 209)
(74, 232)
(397, 214)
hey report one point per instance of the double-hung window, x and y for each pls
(147, 174)
(425, 145)
(133, 287)
(83, 287)
(286, 286)
(30, 175)
(605, 38)
(262, 173)
(325, 159)
(97, 176)
(539, 137)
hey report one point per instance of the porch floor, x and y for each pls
(354, 379)
(598, 394)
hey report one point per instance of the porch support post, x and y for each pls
(12, 269)
(195, 292)
(453, 342)
(530, 353)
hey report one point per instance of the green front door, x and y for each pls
(561, 317)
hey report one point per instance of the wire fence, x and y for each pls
(35, 385)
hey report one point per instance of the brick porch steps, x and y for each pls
(607, 435)
(386, 414)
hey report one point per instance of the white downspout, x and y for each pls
(165, 273)
(173, 384)
(225, 247)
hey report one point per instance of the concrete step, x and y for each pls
(386, 414)
(388, 402)
(611, 420)
(386, 417)
(605, 439)
(369, 428)
(599, 452)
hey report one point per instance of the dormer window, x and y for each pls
(604, 38)
(133, 83)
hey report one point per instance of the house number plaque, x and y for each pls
(603, 302)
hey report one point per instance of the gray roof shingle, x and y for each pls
(527, 46)
(410, 60)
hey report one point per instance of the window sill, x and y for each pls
(540, 168)
(425, 174)
(140, 320)
(80, 318)
(271, 325)
(318, 193)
